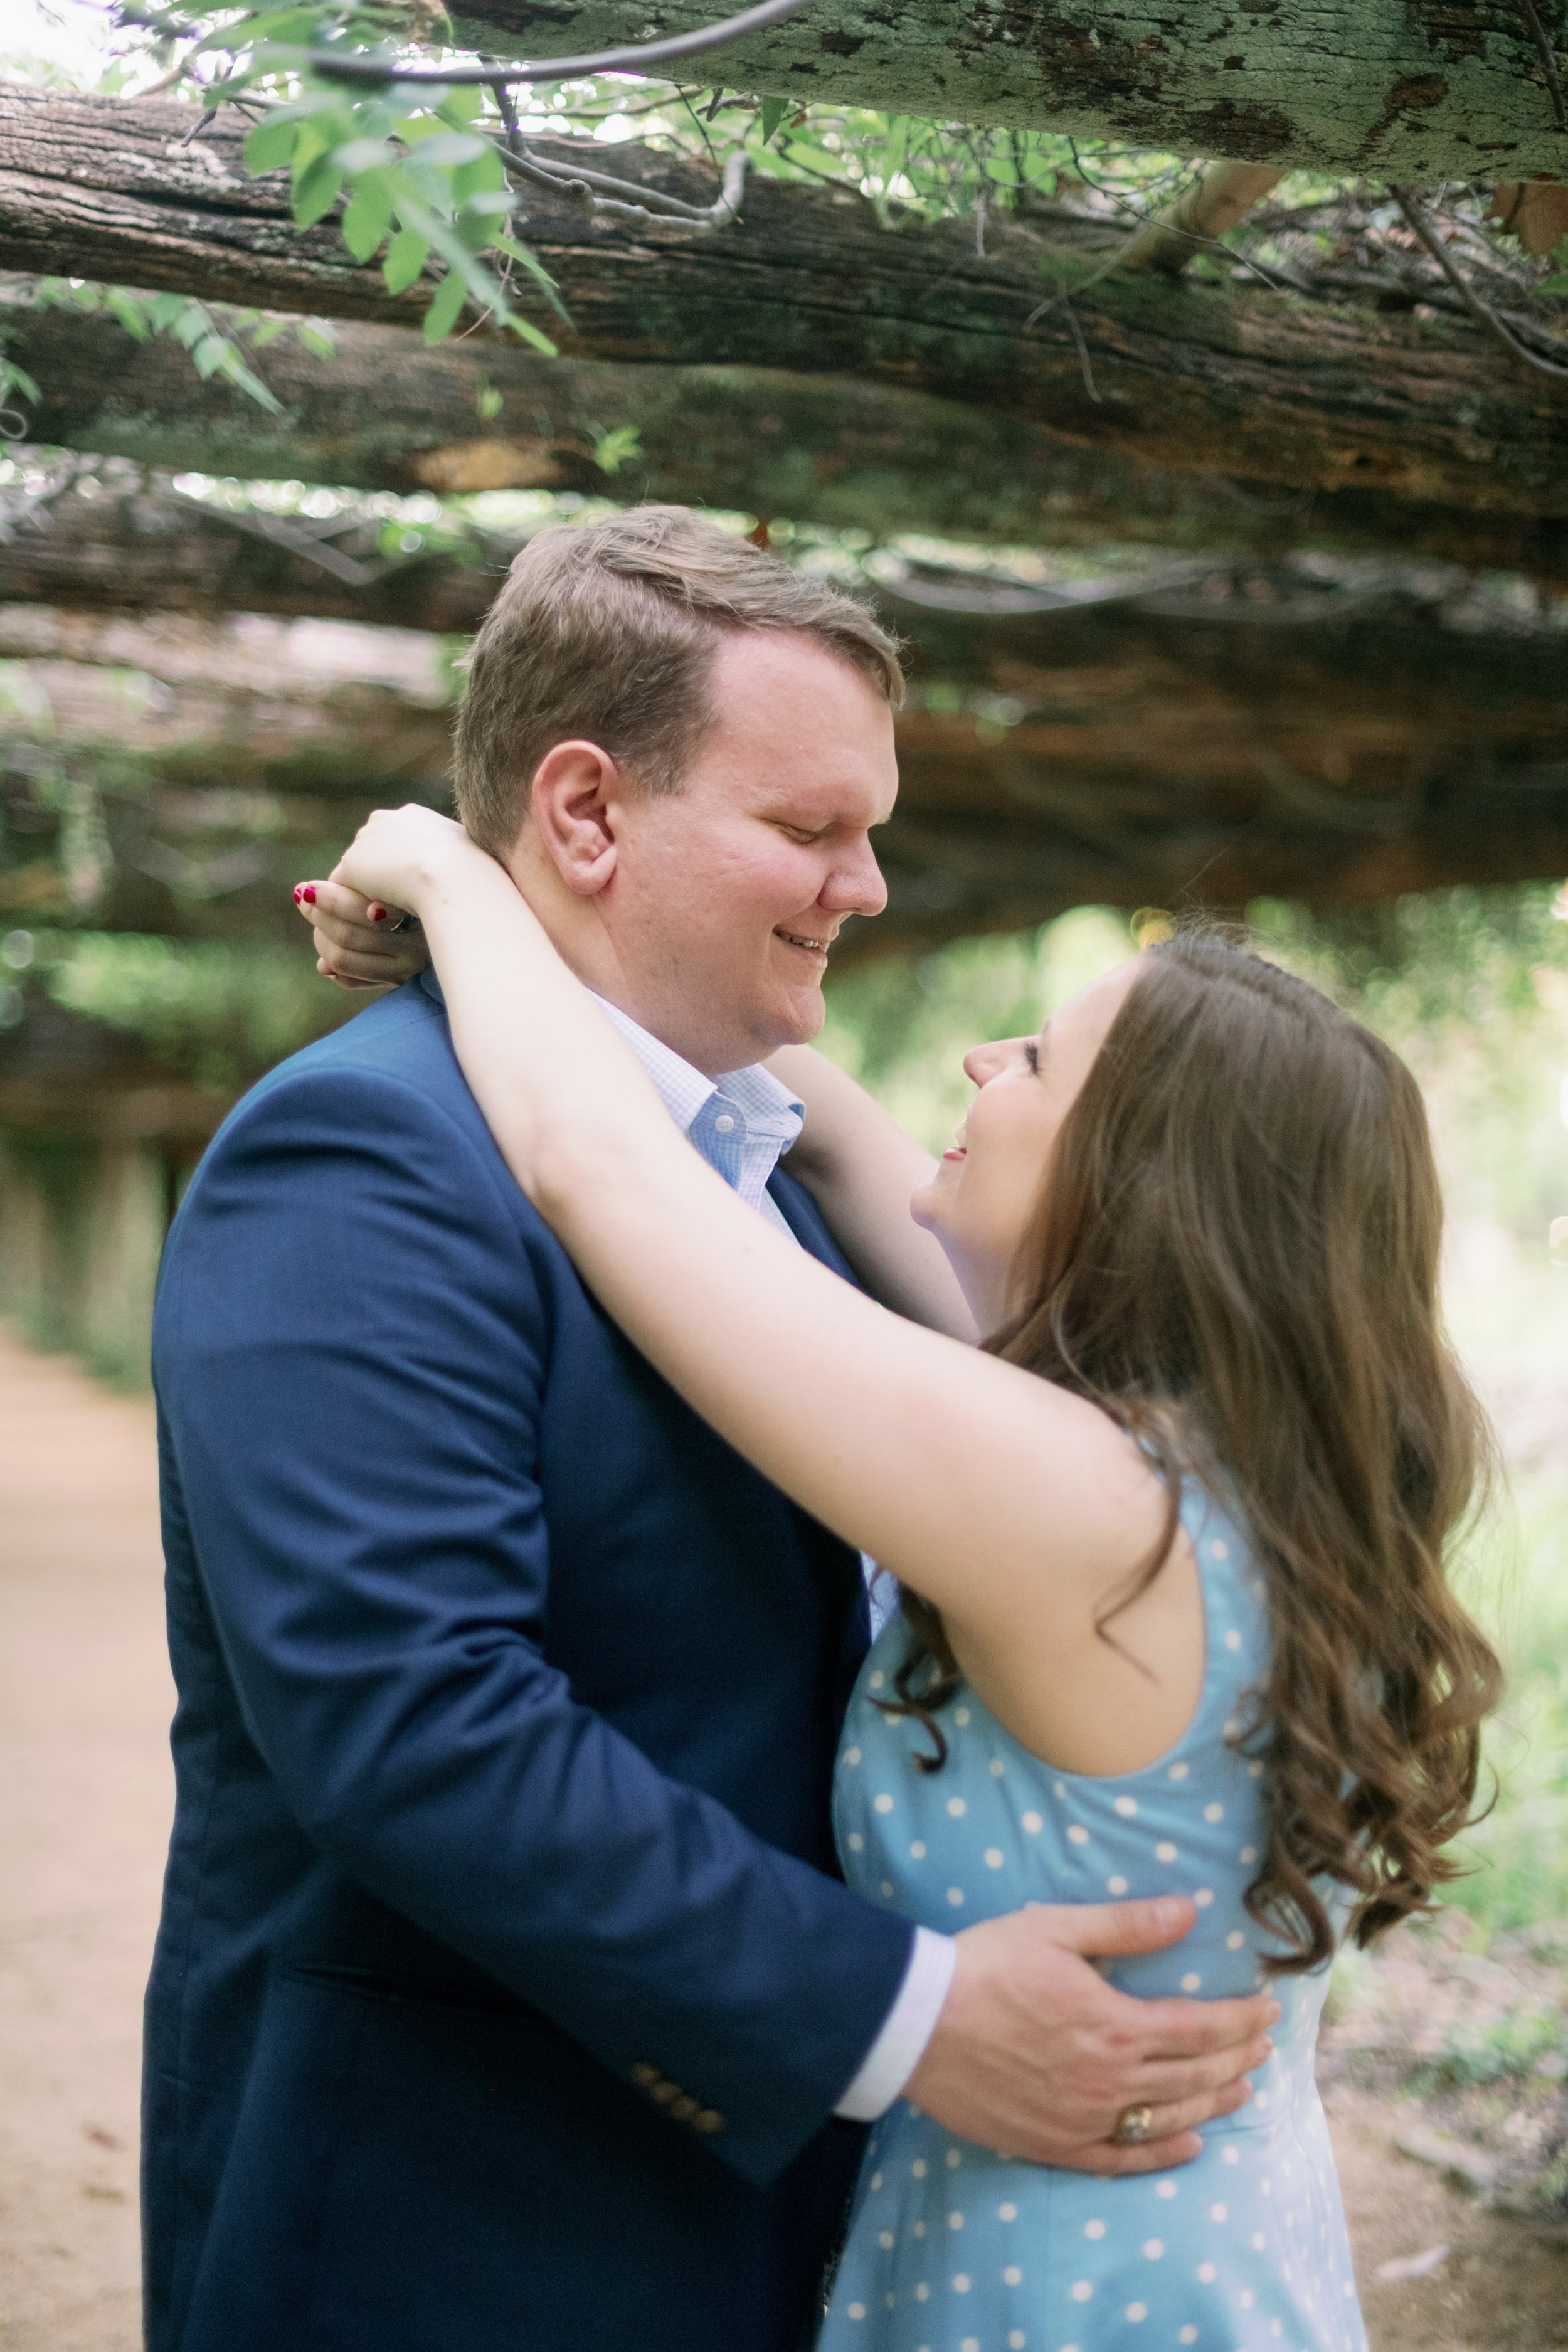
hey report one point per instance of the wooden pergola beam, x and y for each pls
(1374, 86)
(1245, 381)
(1333, 738)
(387, 413)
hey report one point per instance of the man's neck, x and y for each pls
(580, 938)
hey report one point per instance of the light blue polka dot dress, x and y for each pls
(953, 2248)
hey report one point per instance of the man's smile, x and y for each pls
(799, 940)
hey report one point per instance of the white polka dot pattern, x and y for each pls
(1244, 2248)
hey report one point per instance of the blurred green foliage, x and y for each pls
(216, 1013)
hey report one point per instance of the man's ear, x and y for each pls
(575, 788)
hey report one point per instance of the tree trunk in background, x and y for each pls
(152, 551)
(1375, 86)
(385, 413)
(1239, 380)
(1280, 732)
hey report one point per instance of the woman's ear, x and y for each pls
(575, 788)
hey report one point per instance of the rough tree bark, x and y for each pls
(1290, 735)
(1260, 385)
(389, 414)
(1376, 86)
(385, 413)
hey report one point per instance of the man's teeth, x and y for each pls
(818, 946)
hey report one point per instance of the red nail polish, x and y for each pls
(308, 892)
(299, 892)
(378, 914)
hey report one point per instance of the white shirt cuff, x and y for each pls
(908, 2026)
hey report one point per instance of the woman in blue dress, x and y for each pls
(1174, 1616)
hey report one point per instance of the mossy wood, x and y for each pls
(1403, 88)
(1230, 378)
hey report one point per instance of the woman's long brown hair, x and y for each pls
(1236, 1256)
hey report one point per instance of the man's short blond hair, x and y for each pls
(608, 631)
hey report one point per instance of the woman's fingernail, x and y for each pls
(308, 892)
(299, 892)
(378, 914)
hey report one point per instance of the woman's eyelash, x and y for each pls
(1032, 1054)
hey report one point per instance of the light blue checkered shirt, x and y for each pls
(743, 1123)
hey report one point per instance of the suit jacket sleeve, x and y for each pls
(350, 1353)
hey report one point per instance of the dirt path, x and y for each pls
(85, 1700)
(84, 1707)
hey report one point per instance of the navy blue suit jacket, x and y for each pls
(504, 1986)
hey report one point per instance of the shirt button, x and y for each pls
(724, 1123)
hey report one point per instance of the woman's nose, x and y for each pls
(982, 1062)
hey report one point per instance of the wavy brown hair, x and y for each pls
(1237, 1257)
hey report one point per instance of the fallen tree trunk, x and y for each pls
(386, 413)
(1345, 84)
(1300, 731)
(147, 549)
(1241, 380)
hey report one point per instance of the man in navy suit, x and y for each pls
(506, 1998)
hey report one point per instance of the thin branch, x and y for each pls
(1082, 350)
(1479, 310)
(278, 533)
(1542, 40)
(334, 65)
(580, 186)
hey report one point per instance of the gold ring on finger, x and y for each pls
(1133, 2125)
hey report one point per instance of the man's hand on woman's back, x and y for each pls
(1034, 2054)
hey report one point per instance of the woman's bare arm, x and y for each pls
(860, 1168)
(856, 1161)
(1015, 1507)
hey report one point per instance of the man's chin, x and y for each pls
(799, 1019)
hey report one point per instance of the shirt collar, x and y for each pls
(767, 1107)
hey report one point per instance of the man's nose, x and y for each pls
(856, 885)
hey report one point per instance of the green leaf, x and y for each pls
(192, 324)
(773, 110)
(269, 25)
(166, 308)
(405, 257)
(316, 191)
(621, 446)
(532, 334)
(474, 232)
(538, 272)
(233, 371)
(311, 140)
(442, 315)
(210, 352)
(357, 156)
(316, 336)
(369, 215)
(131, 310)
(485, 175)
(266, 330)
(489, 402)
(269, 146)
(16, 379)
(446, 149)
(462, 106)
(492, 204)
(1558, 284)
(815, 159)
